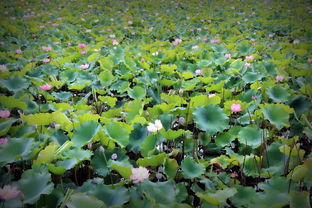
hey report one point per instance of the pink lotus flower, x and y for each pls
(247, 65)
(5, 113)
(139, 174)
(2, 43)
(198, 72)
(115, 42)
(112, 36)
(9, 192)
(3, 68)
(236, 107)
(154, 127)
(114, 156)
(180, 91)
(132, 33)
(45, 87)
(18, 51)
(56, 43)
(46, 48)
(215, 41)
(142, 60)
(227, 55)
(211, 95)
(249, 58)
(84, 66)
(83, 52)
(3, 141)
(205, 39)
(279, 78)
(296, 41)
(271, 35)
(195, 47)
(310, 61)
(46, 60)
(82, 45)
(109, 30)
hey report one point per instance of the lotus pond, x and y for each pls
(149, 104)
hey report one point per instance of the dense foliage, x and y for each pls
(133, 104)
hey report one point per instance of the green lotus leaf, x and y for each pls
(63, 96)
(112, 197)
(11, 102)
(148, 145)
(278, 94)
(67, 164)
(245, 196)
(116, 132)
(223, 139)
(219, 48)
(277, 115)
(172, 134)
(160, 192)
(6, 125)
(137, 137)
(111, 101)
(133, 108)
(35, 183)
(81, 200)
(210, 118)
(299, 199)
(245, 49)
(16, 149)
(201, 100)
(278, 184)
(299, 103)
(106, 78)
(57, 170)
(85, 133)
(170, 168)
(152, 161)
(251, 77)
(15, 83)
(99, 163)
(252, 166)
(122, 167)
(106, 63)
(219, 197)
(192, 169)
(78, 154)
(47, 155)
(137, 92)
(251, 136)
(218, 59)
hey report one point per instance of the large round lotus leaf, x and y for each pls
(245, 49)
(245, 196)
(252, 166)
(161, 192)
(106, 78)
(301, 104)
(191, 169)
(15, 83)
(78, 154)
(117, 133)
(99, 163)
(276, 115)
(137, 137)
(15, 149)
(251, 77)
(137, 92)
(250, 135)
(85, 133)
(210, 118)
(299, 199)
(219, 48)
(219, 197)
(63, 96)
(112, 197)
(6, 125)
(152, 161)
(123, 167)
(34, 183)
(170, 167)
(148, 145)
(278, 94)
(81, 200)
